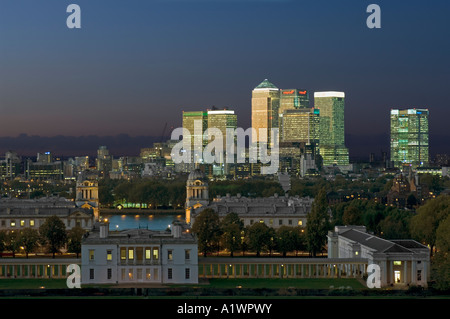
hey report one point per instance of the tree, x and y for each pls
(258, 237)
(300, 239)
(317, 224)
(423, 226)
(29, 239)
(207, 229)
(232, 227)
(53, 232)
(285, 239)
(396, 224)
(351, 216)
(2, 242)
(74, 237)
(12, 242)
(441, 262)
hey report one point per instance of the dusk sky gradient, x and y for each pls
(135, 65)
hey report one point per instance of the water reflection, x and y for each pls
(152, 222)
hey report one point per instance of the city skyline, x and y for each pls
(131, 75)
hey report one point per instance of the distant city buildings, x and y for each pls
(409, 137)
(332, 129)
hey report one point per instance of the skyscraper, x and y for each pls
(409, 137)
(300, 125)
(221, 120)
(265, 105)
(196, 122)
(293, 99)
(331, 129)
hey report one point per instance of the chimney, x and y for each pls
(176, 229)
(104, 229)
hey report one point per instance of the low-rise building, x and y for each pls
(16, 214)
(139, 256)
(402, 262)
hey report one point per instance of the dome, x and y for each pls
(196, 174)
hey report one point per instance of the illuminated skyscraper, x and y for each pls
(196, 122)
(331, 129)
(221, 120)
(300, 125)
(293, 99)
(265, 105)
(409, 137)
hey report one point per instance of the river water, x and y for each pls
(151, 222)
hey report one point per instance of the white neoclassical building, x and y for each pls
(402, 262)
(139, 256)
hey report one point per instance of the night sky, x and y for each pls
(135, 65)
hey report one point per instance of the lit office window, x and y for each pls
(109, 255)
(169, 255)
(148, 253)
(130, 254)
(31, 222)
(155, 253)
(123, 253)
(22, 223)
(13, 223)
(91, 254)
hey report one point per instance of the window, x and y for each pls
(156, 273)
(155, 253)
(148, 253)
(140, 254)
(109, 273)
(280, 222)
(109, 255)
(300, 223)
(187, 273)
(187, 254)
(31, 222)
(397, 263)
(130, 253)
(130, 274)
(13, 223)
(3, 223)
(356, 253)
(123, 253)
(123, 273)
(169, 273)
(91, 274)
(290, 221)
(251, 221)
(139, 274)
(170, 255)
(270, 221)
(91, 254)
(419, 275)
(22, 223)
(148, 274)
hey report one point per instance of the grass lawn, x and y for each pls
(302, 283)
(32, 283)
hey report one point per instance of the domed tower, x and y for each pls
(196, 192)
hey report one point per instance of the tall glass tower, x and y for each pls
(265, 105)
(409, 137)
(331, 128)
